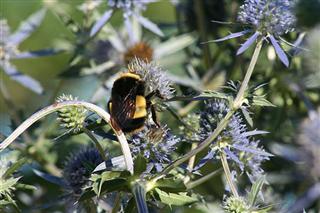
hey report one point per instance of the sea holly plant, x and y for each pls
(235, 142)
(167, 185)
(130, 9)
(75, 178)
(268, 20)
(9, 43)
(154, 168)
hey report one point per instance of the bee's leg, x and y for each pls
(152, 106)
(150, 95)
(154, 93)
(154, 115)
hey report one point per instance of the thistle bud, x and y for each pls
(236, 205)
(71, 117)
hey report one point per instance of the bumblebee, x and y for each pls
(129, 105)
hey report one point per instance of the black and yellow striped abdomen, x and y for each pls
(128, 105)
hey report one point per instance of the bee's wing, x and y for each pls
(124, 108)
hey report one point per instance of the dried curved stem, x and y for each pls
(56, 106)
(227, 172)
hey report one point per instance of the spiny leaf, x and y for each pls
(261, 101)
(26, 187)
(175, 199)
(99, 180)
(7, 185)
(14, 167)
(247, 116)
(171, 184)
(255, 189)
(108, 186)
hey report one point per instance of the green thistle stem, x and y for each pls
(228, 174)
(224, 122)
(190, 164)
(239, 98)
(96, 143)
(193, 184)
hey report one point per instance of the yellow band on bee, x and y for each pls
(141, 107)
(130, 74)
(140, 113)
(141, 101)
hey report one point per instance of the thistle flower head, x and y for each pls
(140, 50)
(234, 140)
(155, 144)
(270, 19)
(154, 76)
(128, 6)
(79, 166)
(236, 205)
(309, 138)
(275, 17)
(71, 117)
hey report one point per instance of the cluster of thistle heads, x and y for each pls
(236, 141)
(266, 20)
